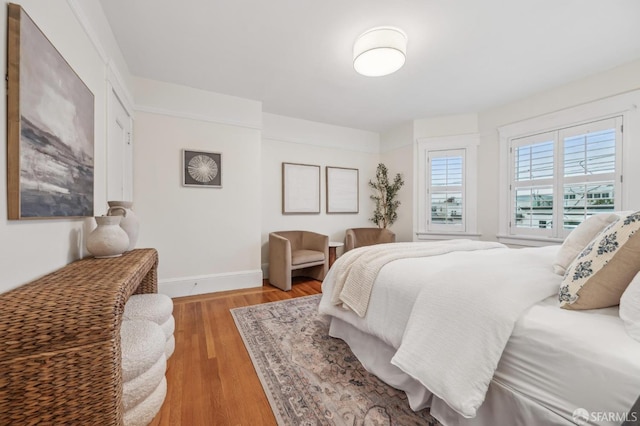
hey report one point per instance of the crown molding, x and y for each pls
(197, 117)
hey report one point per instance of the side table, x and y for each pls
(332, 251)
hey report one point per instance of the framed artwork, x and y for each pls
(50, 128)
(300, 188)
(342, 190)
(201, 168)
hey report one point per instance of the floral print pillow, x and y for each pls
(605, 267)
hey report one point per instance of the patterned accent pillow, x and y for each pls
(577, 239)
(600, 274)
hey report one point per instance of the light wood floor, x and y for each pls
(210, 377)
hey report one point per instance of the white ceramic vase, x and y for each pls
(129, 221)
(108, 239)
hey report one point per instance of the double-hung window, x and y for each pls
(446, 191)
(447, 187)
(560, 178)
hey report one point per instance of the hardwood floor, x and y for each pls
(210, 377)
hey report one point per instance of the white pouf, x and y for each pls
(157, 308)
(145, 411)
(154, 307)
(168, 327)
(142, 343)
(139, 388)
(169, 347)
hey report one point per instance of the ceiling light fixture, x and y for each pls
(380, 51)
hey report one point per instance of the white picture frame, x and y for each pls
(343, 194)
(300, 188)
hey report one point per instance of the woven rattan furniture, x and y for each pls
(60, 360)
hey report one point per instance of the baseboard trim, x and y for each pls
(203, 284)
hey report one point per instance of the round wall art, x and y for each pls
(201, 168)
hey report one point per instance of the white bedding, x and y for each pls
(390, 308)
(357, 269)
(566, 360)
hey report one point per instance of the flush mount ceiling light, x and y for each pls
(379, 51)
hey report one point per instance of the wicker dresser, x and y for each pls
(60, 341)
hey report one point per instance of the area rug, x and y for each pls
(311, 378)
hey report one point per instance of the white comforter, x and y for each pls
(454, 315)
(357, 269)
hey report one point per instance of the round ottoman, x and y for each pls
(157, 308)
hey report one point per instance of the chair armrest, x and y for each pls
(349, 240)
(279, 261)
(315, 241)
(279, 250)
(387, 236)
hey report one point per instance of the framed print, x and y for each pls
(342, 190)
(300, 188)
(50, 128)
(201, 168)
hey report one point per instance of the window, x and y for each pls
(447, 196)
(560, 178)
(446, 190)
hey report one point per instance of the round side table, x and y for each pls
(332, 251)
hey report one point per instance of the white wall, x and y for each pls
(292, 140)
(208, 239)
(397, 154)
(29, 249)
(612, 82)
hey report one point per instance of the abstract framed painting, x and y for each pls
(201, 168)
(50, 128)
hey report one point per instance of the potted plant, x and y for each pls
(385, 195)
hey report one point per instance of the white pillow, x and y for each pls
(630, 308)
(578, 239)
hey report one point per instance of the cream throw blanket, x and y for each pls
(357, 269)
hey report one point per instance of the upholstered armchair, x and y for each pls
(360, 237)
(297, 253)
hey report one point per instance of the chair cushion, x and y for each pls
(298, 257)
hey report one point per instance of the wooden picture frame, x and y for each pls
(300, 188)
(201, 168)
(50, 128)
(343, 194)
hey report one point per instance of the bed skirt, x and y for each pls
(502, 405)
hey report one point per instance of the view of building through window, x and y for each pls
(446, 189)
(585, 174)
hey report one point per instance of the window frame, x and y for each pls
(468, 144)
(559, 179)
(445, 153)
(624, 106)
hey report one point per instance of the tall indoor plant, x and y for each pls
(385, 197)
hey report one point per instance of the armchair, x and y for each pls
(297, 253)
(360, 237)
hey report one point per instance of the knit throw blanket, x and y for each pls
(356, 270)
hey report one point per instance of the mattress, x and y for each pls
(556, 360)
(566, 360)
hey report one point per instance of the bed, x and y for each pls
(502, 350)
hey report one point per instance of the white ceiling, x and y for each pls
(296, 55)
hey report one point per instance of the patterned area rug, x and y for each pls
(311, 378)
